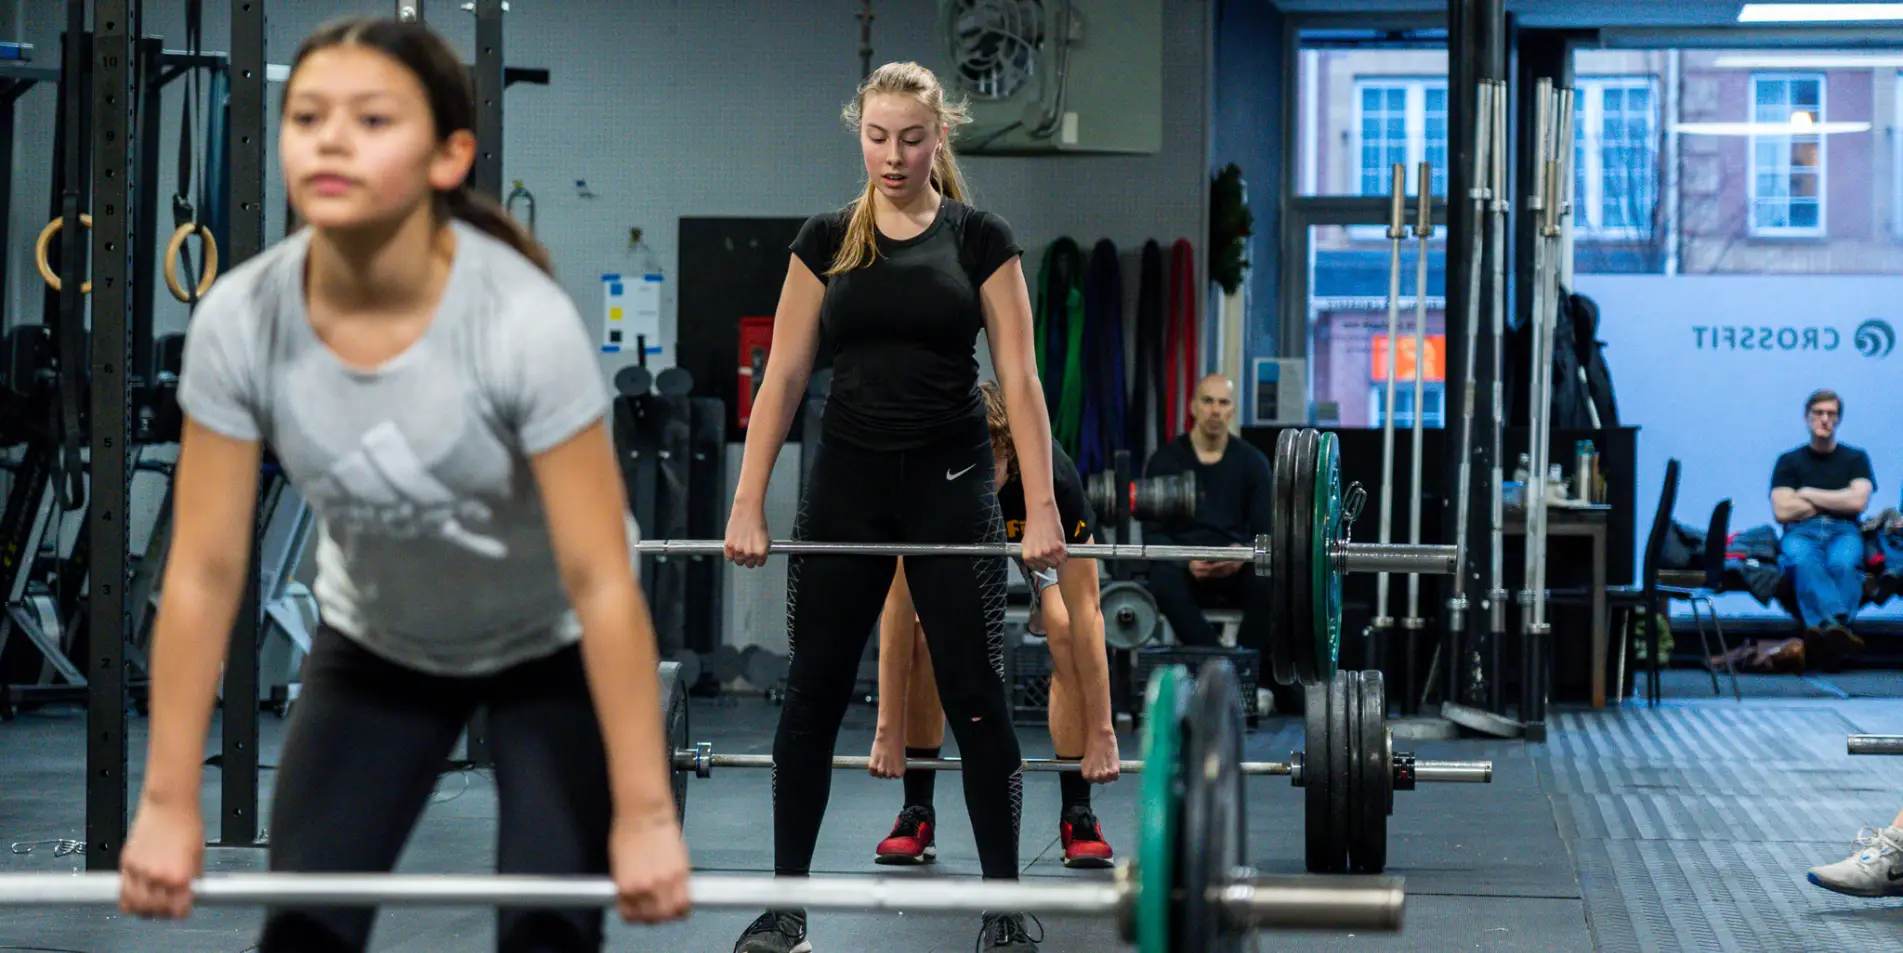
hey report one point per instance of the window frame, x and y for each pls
(1415, 125)
(1822, 228)
(1589, 210)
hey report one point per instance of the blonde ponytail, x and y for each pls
(860, 244)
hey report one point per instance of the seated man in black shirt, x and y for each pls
(1234, 502)
(1819, 491)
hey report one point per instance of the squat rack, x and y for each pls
(115, 178)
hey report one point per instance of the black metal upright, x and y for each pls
(485, 176)
(115, 95)
(1476, 52)
(238, 778)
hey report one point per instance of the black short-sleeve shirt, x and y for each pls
(1805, 467)
(1073, 506)
(904, 329)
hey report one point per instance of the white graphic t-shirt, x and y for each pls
(435, 550)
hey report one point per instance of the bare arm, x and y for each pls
(1007, 308)
(1787, 506)
(215, 489)
(582, 493)
(1850, 501)
(896, 642)
(789, 366)
(1078, 583)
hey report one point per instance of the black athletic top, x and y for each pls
(1073, 507)
(904, 329)
(1805, 467)
(1235, 496)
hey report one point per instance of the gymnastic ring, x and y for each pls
(173, 247)
(39, 252)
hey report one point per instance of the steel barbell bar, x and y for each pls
(1248, 902)
(1349, 557)
(1875, 744)
(700, 761)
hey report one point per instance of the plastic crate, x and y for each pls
(1244, 661)
(1030, 681)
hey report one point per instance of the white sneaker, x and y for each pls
(1875, 870)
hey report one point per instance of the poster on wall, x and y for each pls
(1714, 372)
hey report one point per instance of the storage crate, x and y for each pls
(1244, 661)
(1030, 681)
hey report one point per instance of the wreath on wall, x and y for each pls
(1229, 223)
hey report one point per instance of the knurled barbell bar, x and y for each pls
(701, 760)
(1184, 887)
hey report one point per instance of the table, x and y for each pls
(1590, 521)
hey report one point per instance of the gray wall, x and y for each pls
(669, 109)
(672, 108)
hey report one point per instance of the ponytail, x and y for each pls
(489, 217)
(946, 174)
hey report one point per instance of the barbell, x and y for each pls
(1875, 744)
(1184, 888)
(1349, 774)
(1301, 559)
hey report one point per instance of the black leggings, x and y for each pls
(940, 493)
(361, 756)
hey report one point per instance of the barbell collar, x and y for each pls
(1875, 744)
(1310, 902)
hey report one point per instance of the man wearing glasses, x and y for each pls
(1818, 492)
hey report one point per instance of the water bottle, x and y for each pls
(1585, 470)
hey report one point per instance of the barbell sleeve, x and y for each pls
(1314, 902)
(1454, 772)
(1876, 744)
(1425, 559)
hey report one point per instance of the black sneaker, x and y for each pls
(1005, 932)
(776, 931)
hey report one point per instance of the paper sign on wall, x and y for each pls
(631, 314)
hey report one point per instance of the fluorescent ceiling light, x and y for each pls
(1769, 128)
(1809, 61)
(1819, 12)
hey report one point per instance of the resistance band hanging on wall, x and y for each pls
(1180, 340)
(1059, 330)
(1103, 412)
(1147, 423)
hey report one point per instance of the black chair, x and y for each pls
(1651, 597)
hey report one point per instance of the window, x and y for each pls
(1400, 120)
(1615, 158)
(1787, 170)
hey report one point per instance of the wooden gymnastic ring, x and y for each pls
(46, 238)
(177, 243)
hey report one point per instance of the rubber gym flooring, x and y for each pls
(1682, 827)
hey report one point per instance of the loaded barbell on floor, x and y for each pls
(701, 760)
(1350, 775)
(1184, 888)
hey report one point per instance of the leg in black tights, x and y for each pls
(552, 794)
(832, 604)
(361, 756)
(961, 601)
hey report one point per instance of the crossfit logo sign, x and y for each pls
(1875, 338)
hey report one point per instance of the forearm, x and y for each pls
(895, 670)
(1090, 657)
(188, 653)
(619, 656)
(1031, 440)
(1850, 500)
(767, 425)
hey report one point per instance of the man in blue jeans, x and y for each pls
(1818, 492)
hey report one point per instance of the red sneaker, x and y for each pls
(913, 839)
(1084, 846)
